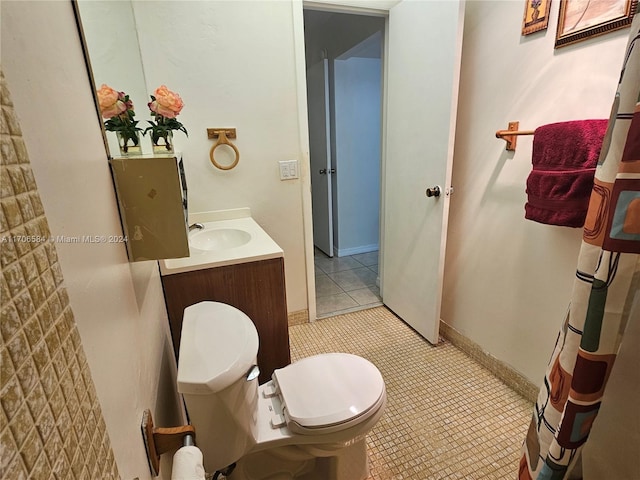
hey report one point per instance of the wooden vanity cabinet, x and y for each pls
(256, 288)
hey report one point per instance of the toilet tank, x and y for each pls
(218, 350)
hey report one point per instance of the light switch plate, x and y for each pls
(288, 169)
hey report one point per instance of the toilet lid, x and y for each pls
(328, 389)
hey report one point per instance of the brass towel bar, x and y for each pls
(511, 135)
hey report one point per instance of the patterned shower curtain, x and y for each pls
(607, 279)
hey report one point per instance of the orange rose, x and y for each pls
(167, 103)
(110, 102)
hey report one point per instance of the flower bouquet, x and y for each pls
(117, 108)
(165, 105)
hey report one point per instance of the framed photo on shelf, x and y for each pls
(582, 19)
(536, 16)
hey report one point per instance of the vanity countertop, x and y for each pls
(260, 246)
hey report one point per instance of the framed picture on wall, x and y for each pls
(536, 16)
(582, 19)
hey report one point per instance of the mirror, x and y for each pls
(113, 55)
(113, 50)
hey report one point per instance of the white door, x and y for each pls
(320, 155)
(422, 72)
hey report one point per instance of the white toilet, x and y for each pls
(309, 422)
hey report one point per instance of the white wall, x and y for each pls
(508, 280)
(118, 307)
(233, 64)
(357, 153)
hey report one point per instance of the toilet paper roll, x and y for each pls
(187, 464)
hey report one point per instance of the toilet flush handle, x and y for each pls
(253, 373)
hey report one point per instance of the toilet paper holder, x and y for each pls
(162, 440)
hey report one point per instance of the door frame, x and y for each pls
(362, 7)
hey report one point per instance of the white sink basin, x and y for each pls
(218, 239)
(229, 237)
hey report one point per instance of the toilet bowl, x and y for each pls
(309, 422)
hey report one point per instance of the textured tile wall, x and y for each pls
(51, 425)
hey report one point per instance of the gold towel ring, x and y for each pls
(223, 140)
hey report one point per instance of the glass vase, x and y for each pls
(163, 145)
(129, 145)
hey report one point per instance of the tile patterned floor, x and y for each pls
(447, 417)
(346, 284)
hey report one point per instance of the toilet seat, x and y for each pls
(329, 392)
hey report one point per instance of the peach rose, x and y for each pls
(167, 103)
(110, 101)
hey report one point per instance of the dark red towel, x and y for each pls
(564, 161)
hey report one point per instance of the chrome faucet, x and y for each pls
(194, 226)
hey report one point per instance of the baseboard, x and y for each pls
(298, 318)
(345, 252)
(498, 368)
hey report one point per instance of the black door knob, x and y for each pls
(433, 192)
